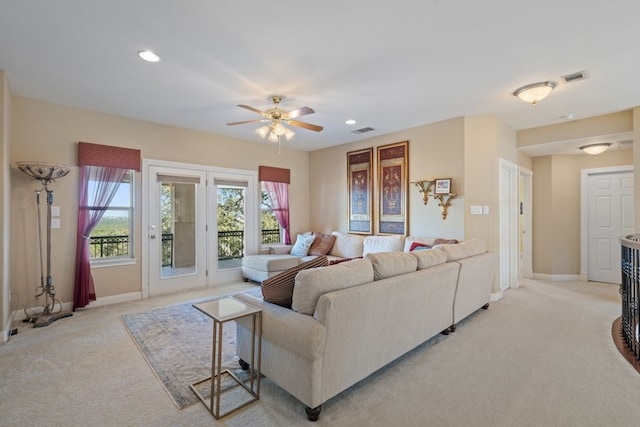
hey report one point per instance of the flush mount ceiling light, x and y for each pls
(148, 56)
(595, 149)
(534, 92)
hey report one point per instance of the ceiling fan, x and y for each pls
(278, 118)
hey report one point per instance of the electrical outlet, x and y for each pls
(55, 222)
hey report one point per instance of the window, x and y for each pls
(268, 221)
(112, 238)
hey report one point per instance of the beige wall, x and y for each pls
(435, 151)
(5, 186)
(607, 124)
(49, 133)
(557, 208)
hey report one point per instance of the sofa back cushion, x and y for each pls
(278, 289)
(429, 258)
(375, 244)
(322, 244)
(464, 249)
(347, 245)
(311, 284)
(389, 264)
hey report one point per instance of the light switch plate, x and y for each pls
(485, 210)
(475, 210)
(55, 210)
(55, 223)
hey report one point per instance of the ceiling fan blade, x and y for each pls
(305, 125)
(299, 112)
(245, 122)
(255, 110)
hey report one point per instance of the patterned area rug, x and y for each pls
(176, 342)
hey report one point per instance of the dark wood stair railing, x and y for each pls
(626, 329)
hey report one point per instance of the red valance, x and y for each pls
(271, 174)
(108, 156)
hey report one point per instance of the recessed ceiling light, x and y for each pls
(148, 55)
(350, 122)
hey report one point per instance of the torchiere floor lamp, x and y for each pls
(47, 313)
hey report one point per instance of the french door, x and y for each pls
(177, 229)
(198, 222)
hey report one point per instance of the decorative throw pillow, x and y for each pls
(278, 289)
(302, 245)
(322, 244)
(417, 246)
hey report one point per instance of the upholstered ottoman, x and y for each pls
(261, 267)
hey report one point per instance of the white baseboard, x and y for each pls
(19, 315)
(558, 277)
(496, 296)
(114, 299)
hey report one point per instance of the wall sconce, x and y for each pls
(424, 186)
(444, 205)
(595, 149)
(441, 191)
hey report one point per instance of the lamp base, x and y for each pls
(47, 319)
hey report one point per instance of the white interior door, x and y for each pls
(610, 216)
(509, 253)
(525, 197)
(176, 229)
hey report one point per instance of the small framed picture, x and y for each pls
(442, 186)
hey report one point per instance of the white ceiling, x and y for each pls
(388, 65)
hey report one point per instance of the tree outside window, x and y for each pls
(268, 222)
(113, 237)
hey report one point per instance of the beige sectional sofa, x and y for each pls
(344, 245)
(350, 319)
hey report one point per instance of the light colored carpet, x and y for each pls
(542, 356)
(176, 341)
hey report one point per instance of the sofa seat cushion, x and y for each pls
(389, 264)
(429, 258)
(279, 288)
(311, 284)
(270, 262)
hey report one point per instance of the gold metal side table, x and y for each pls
(221, 311)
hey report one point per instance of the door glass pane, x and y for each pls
(178, 219)
(231, 213)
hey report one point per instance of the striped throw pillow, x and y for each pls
(278, 289)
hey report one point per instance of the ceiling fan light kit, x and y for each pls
(534, 92)
(278, 118)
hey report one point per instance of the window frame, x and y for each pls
(118, 260)
(264, 208)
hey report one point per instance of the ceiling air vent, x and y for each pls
(363, 130)
(574, 77)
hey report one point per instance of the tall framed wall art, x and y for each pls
(393, 186)
(360, 185)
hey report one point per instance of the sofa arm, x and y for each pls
(280, 249)
(299, 333)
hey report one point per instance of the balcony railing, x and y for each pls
(630, 293)
(230, 245)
